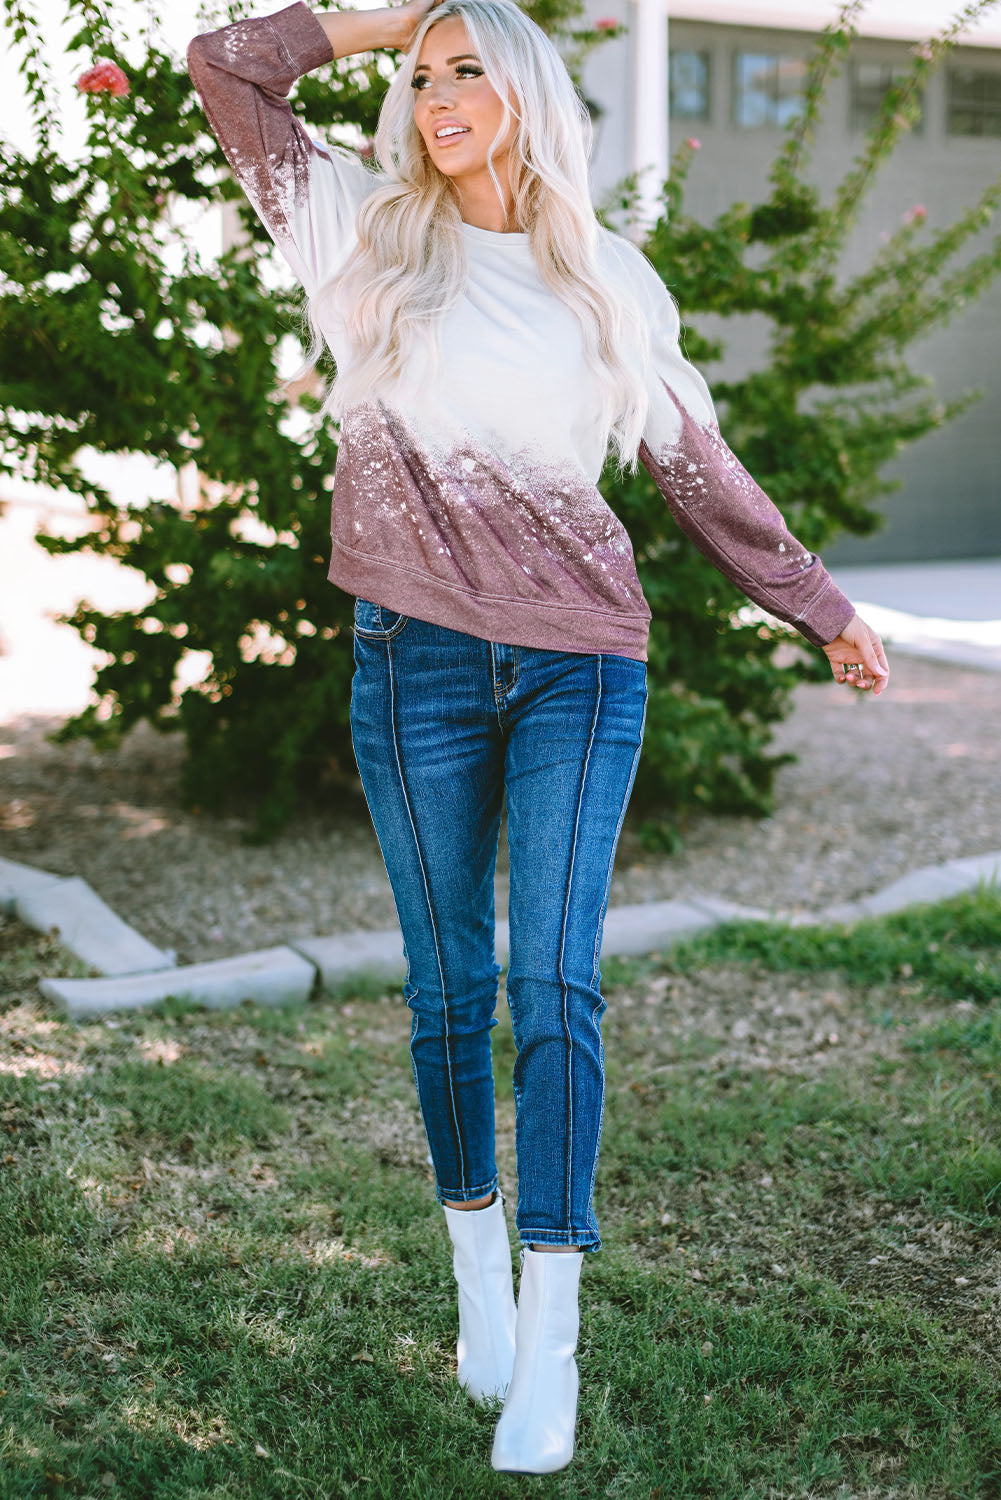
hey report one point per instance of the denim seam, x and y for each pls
(597, 945)
(430, 906)
(563, 938)
(612, 852)
(601, 1119)
(382, 635)
(502, 692)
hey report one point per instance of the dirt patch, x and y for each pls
(753, 1018)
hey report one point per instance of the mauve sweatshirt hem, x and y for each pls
(512, 622)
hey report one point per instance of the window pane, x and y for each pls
(690, 85)
(870, 82)
(755, 88)
(790, 80)
(868, 87)
(769, 88)
(975, 86)
(974, 122)
(974, 102)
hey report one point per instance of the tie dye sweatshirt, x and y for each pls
(471, 501)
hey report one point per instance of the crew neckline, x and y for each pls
(495, 236)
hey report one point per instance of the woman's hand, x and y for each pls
(860, 644)
(407, 18)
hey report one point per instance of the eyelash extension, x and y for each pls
(469, 68)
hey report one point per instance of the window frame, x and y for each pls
(991, 108)
(894, 71)
(706, 54)
(774, 98)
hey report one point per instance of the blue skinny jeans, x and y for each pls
(443, 725)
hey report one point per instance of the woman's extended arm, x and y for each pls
(728, 516)
(306, 193)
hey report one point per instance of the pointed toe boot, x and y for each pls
(535, 1432)
(481, 1262)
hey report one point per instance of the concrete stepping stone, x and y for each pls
(640, 927)
(271, 976)
(986, 867)
(844, 912)
(650, 925)
(931, 883)
(350, 955)
(731, 911)
(21, 880)
(89, 928)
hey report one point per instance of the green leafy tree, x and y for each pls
(116, 336)
(798, 423)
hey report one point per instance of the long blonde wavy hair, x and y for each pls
(408, 266)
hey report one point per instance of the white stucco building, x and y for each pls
(729, 72)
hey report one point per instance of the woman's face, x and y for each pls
(450, 87)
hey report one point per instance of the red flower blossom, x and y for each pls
(693, 141)
(607, 23)
(103, 78)
(917, 212)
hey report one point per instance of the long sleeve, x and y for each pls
(715, 500)
(306, 193)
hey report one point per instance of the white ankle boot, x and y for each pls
(482, 1265)
(535, 1432)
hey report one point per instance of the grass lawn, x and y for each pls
(223, 1271)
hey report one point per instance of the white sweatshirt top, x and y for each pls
(471, 501)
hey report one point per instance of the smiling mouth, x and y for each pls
(452, 135)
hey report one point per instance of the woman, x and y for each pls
(491, 340)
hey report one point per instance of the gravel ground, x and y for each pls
(881, 786)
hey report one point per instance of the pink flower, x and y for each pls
(607, 23)
(924, 51)
(103, 78)
(693, 141)
(918, 212)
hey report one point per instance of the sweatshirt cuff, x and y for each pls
(302, 36)
(827, 617)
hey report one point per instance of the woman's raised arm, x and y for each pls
(306, 193)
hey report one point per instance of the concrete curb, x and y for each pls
(84, 924)
(89, 928)
(21, 880)
(271, 976)
(286, 974)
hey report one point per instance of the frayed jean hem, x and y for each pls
(463, 1195)
(582, 1241)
